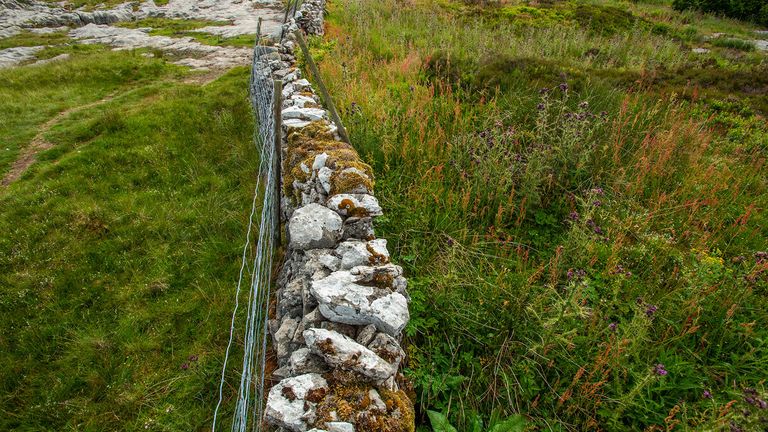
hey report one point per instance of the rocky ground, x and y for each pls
(98, 26)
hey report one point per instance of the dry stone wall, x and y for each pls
(341, 305)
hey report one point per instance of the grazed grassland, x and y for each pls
(121, 244)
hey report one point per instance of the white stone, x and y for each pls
(314, 226)
(366, 201)
(324, 177)
(376, 400)
(296, 123)
(342, 300)
(339, 427)
(320, 161)
(341, 351)
(356, 253)
(311, 114)
(293, 414)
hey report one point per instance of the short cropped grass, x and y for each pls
(121, 245)
(31, 95)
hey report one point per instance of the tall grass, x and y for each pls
(589, 256)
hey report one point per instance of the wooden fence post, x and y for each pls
(277, 160)
(321, 86)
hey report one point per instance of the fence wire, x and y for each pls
(249, 407)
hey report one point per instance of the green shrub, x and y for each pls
(750, 10)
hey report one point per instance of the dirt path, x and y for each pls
(28, 154)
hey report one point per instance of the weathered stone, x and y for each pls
(343, 352)
(342, 300)
(287, 404)
(366, 334)
(311, 114)
(303, 361)
(354, 204)
(376, 401)
(357, 253)
(358, 228)
(386, 347)
(339, 427)
(314, 226)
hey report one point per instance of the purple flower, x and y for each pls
(540, 107)
(659, 370)
(544, 90)
(762, 404)
(613, 326)
(584, 105)
(185, 366)
(570, 274)
(650, 310)
(597, 191)
(563, 87)
(597, 203)
(574, 216)
(639, 301)
(193, 358)
(761, 256)
(706, 394)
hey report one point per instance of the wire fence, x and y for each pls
(249, 407)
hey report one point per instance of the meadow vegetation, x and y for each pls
(579, 203)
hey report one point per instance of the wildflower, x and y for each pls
(544, 90)
(193, 358)
(581, 274)
(563, 87)
(639, 301)
(659, 370)
(734, 427)
(597, 191)
(762, 404)
(650, 310)
(603, 114)
(570, 274)
(540, 107)
(450, 241)
(597, 203)
(185, 366)
(584, 105)
(613, 326)
(706, 394)
(574, 216)
(761, 257)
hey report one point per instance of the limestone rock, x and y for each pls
(342, 300)
(386, 347)
(356, 253)
(339, 427)
(366, 334)
(314, 226)
(311, 114)
(341, 351)
(303, 361)
(354, 204)
(291, 402)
